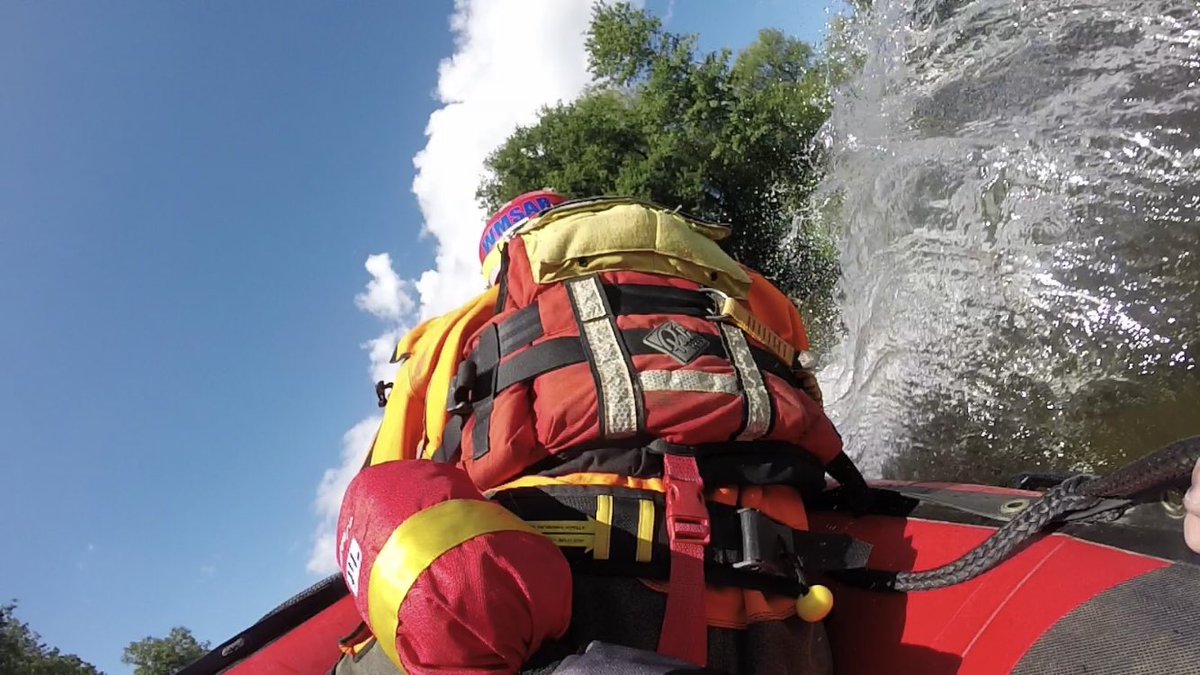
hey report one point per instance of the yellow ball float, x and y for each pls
(815, 605)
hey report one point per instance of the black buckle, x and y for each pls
(459, 402)
(381, 388)
(768, 546)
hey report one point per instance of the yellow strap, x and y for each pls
(604, 516)
(739, 315)
(415, 545)
(581, 479)
(645, 530)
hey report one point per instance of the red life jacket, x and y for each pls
(608, 353)
(580, 374)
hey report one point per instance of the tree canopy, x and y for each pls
(724, 137)
(22, 650)
(165, 655)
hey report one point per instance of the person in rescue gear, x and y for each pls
(637, 398)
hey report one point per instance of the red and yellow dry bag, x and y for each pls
(446, 580)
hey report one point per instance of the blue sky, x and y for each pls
(188, 195)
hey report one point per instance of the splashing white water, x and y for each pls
(1020, 214)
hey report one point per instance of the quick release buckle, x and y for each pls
(687, 514)
(723, 304)
(459, 401)
(768, 546)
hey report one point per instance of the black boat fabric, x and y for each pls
(623, 611)
(1145, 626)
(601, 658)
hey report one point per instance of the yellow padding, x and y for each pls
(617, 235)
(416, 411)
(415, 545)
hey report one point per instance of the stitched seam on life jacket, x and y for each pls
(688, 380)
(758, 399)
(618, 398)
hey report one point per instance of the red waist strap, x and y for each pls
(685, 630)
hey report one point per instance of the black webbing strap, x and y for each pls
(853, 487)
(744, 463)
(621, 531)
(451, 448)
(525, 326)
(488, 350)
(630, 299)
(535, 362)
(567, 351)
(519, 330)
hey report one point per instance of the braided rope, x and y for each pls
(1170, 464)
(1062, 498)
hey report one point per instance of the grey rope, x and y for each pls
(1166, 466)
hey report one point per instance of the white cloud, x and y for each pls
(387, 295)
(512, 57)
(380, 349)
(329, 493)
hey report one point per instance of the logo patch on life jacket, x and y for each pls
(353, 565)
(676, 341)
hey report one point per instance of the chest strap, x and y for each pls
(623, 532)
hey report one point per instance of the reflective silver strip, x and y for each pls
(688, 380)
(589, 299)
(616, 393)
(758, 400)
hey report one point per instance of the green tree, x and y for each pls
(22, 650)
(164, 656)
(843, 47)
(723, 137)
